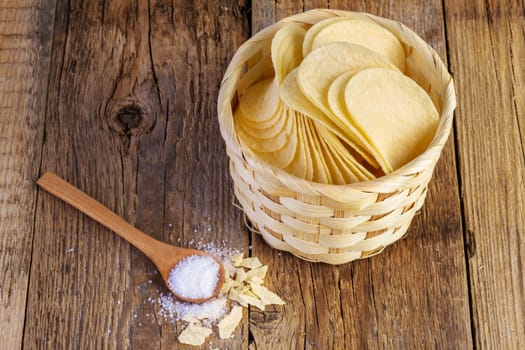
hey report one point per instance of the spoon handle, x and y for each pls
(98, 212)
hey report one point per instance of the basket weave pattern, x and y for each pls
(334, 224)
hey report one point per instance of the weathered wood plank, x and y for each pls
(132, 121)
(487, 46)
(413, 295)
(80, 272)
(190, 46)
(25, 44)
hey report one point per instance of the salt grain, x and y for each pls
(195, 277)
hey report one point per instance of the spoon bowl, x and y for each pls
(171, 256)
(165, 256)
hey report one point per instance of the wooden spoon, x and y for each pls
(164, 256)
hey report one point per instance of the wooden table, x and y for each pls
(119, 98)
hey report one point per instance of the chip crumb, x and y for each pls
(194, 334)
(230, 322)
(240, 276)
(236, 259)
(255, 280)
(259, 272)
(228, 284)
(234, 295)
(251, 300)
(250, 263)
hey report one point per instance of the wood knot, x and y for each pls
(130, 119)
(130, 116)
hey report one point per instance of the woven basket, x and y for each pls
(334, 224)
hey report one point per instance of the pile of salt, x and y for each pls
(195, 277)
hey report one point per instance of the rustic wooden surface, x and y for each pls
(26, 29)
(118, 97)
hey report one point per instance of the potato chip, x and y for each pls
(364, 33)
(298, 166)
(286, 50)
(260, 101)
(336, 103)
(230, 322)
(305, 148)
(321, 173)
(194, 334)
(395, 113)
(282, 126)
(333, 168)
(316, 28)
(258, 124)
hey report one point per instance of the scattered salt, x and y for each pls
(211, 310)
(194, 277)
(173, 309)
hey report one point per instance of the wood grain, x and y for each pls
(487, 41)
(25, 44)
(132, 122)
(413, 295)
(119, 98)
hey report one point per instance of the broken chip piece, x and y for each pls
(265, 295)
(194, 334)
(250, 263)
(230, 322)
